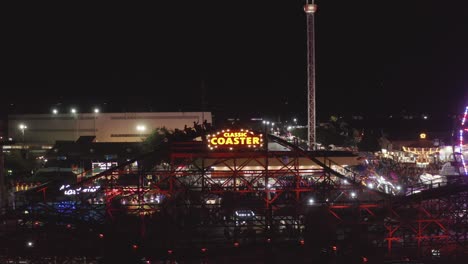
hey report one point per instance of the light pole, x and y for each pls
(265, 126)
(96, 112)
(22, 127)
(266, 179)
(75, 115)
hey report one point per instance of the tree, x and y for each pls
(369, 142)
(156, 138)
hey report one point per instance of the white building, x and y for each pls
(45, 129)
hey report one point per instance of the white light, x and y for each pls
(311, 201)
(90, 189)
(96, 110)
(141, 128)
(30, 244)
(211, 201)
(54, 111)
(73, 111)
(310, 8)
(353, 194)
(22, 126)
(370, 185)
(272, 124)
(398, 187)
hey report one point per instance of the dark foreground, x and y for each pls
(266, 253)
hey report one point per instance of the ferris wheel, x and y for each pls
(462, 140)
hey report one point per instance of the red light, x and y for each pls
(334, 248)
(135, 246)
(36, 223)
(364, 260)
(68, 226)
(204, 250)
(302, 242)
(236, 244)
(101, 235)
(169, 251)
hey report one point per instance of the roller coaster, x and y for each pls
(183, 194)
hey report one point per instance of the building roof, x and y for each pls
(93, 150)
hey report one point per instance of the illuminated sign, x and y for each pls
(90, 189)
(234, 139)
(99, 167)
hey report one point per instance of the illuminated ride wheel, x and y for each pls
(462, 140)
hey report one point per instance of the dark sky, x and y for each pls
(238, 57)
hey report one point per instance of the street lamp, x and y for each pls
(22, 127)
(96, 111)
(74, 112)
(54, 111)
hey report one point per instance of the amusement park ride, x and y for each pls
(236, 186)
(462, 140)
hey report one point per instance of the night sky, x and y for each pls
(238, 58)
